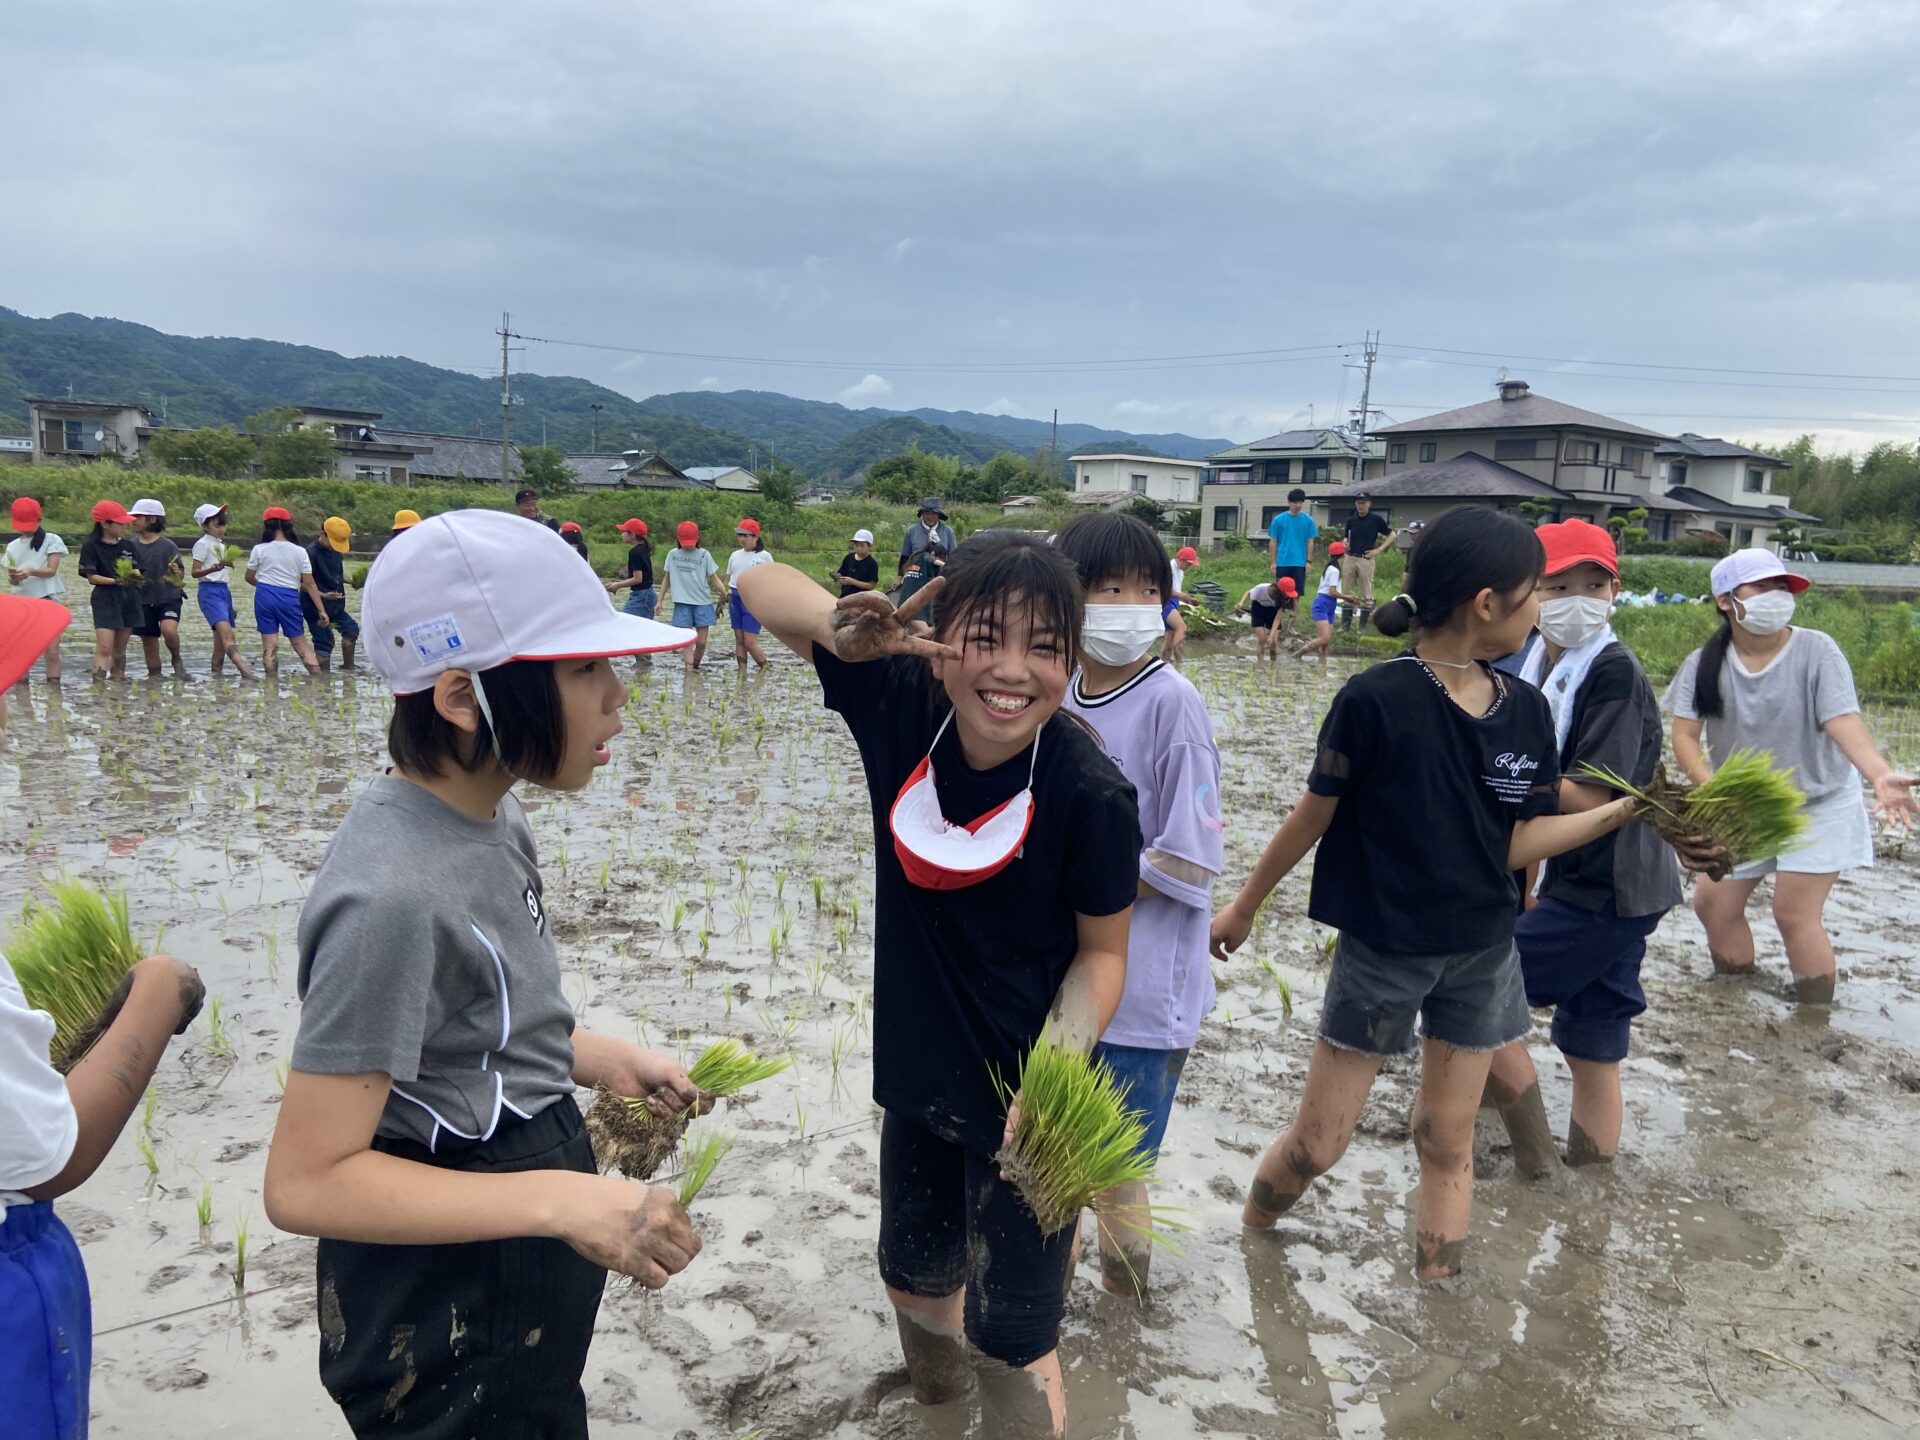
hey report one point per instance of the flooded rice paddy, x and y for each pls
(1750, 1267)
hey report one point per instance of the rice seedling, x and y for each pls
(218, 1043)
(69, 957)
(144, 1144)
(635, 1134)
(678, 916)
(1748, 808)
(842, 932)
(838, 1049)
(779, 1029)
(281, 1072)
(1074, 1138)
(604, 870)
(240, 1255)
(726, 1067)
(203, 1210)
(819, 967)
(1279, 984)
(357, 577)
(700, 1155)
(234, 555)
(779, 885)
(819, 893)
(799, 1120)
(126, 571)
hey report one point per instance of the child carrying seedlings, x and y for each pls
(428, 1132)
(107, 564)
(1007, 855)
(161, 589)
(281, 572)
(1153, 725)
(33, 567)
(56, 1129)
(327, 554)
(689, 586)
(1762, 683)
(751, 551)
(212, 588)
(1435, 778)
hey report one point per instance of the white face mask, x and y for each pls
(1767, 613)
(1120, 634)
(1569, 621)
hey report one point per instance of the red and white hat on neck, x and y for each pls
(472, 589)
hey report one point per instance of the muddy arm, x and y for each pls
(797, 611)
(1545, 836)
(1090, 993)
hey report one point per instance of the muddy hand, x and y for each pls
(1703, 855)
(866, 626)
(638, 1230)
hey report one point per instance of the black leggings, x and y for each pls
(446, 1342)
(948, 1220)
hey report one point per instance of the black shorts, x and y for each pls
(948, 1220)
(1264, 616)
(115, 607)
(1296, 573)
(152, 615)
(441, 1342)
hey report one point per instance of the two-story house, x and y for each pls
(88, 430)
(1729, 489)
(1247, 485)
(1120, 472)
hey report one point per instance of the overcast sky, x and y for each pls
(927, 202)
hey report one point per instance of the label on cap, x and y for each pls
(435, 639)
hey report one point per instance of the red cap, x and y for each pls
(1187, 555)
(1287, 587)
(1574, 542)
(1337, 549)
(27, 628)
(26, 515)
(633, 527)
(748, 526)
(275, 512)
(111, 512)
(687, 533)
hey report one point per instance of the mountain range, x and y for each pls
(217, 380)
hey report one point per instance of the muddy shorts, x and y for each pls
(216, 601)
(152, 615)
(115, 607)
(1585, 964)
(340, 623)
(443, 1342)
(947, 1221)
(1149, 1077)
(46, 1326)
(1472, 1001)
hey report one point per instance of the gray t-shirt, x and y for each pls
(425, 953)
(153, 557)
(1780, 709)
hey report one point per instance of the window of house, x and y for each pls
(1726, 531)
(1429, 451)
(1756, 480)
(1516, 449)
(1746, 536)
(1397, 454)
(1677, 473)
(1583, 452)
(1086, 478)
(76, 437)
(1267, 512)
(1226, 518)
(1633, 458)
(1320, 470)
(1278, 470)
(370, 472)
(398, 474)
(1137, 484)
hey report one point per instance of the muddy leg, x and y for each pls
(1018, 1404)
(1337, 1085)
(1514, 1089)
(1124, 1221)
(1799, 904)
(1451, 1082)
(933, 1343)
(1593, 1134)
(1722, 908)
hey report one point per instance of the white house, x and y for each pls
(724, 477)
(1727, 488)
(1158, 477)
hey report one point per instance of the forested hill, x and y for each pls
(215, 380)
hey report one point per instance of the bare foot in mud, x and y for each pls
(1724, 966)
(1524, 1114)
(1815, 989)
(1581, 1149)
(1266, 1203)
(1436, 1257)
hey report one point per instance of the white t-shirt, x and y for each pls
(1179, 577)
(741, 561)
(280, 562)
(1330, 581)
(209, 551)
(20, 557)
(38, 1127)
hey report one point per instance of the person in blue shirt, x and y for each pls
(1293, 532)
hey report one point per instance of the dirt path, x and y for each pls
(1748, 1269)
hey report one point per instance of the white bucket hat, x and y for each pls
(148, 506)
(473, 589)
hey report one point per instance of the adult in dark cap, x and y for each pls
(930, 530)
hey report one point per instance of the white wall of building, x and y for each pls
(1174, 482)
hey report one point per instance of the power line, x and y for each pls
(1434, 405)
(1677, 379)
(1655, 365)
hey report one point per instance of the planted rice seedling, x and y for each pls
(69, 957)
(1074, 1138)
(1279, 984)
(218, 1043)
(203, 1210)
(144, 1144)
(1748, 807)
(240, 1255)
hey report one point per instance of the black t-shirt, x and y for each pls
(640, 562)
(329, 575)
(1615, 726)
(1415, 861)
(963, 979)
(1364, 532)
(867, 569)
(101, 557)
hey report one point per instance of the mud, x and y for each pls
(1745, 1268)
(1529, 1132)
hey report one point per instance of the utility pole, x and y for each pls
(593, 445)
(1372, 348)
(505, 333)
(1053, 447)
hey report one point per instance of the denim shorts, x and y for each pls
(1472, 1001)
(642, 602)
(692, 617)
(741, 617)
(276, 611)
(1586, 965)
(1149, 1077)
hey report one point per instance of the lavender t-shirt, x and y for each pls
(1155, 728)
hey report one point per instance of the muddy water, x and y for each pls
(1747, 1269)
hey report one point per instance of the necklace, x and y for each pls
(1450, 664)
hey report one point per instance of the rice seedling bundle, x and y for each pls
(726, 1067)
(235, 555)
(357, 577)
(702, 1154)
(1075, 1138)
(70, 955)
(633, 1136)
(1751, 808)
(127, 571)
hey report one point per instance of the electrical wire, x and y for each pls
(1679, 379)
(1652, 364)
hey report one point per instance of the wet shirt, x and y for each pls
(1780, 709)
(425, 954)
(852, 568)
(1154, 727)
(154, 557)
(963, 979)
(102, 557)
(1616, 727)
(1415, 861)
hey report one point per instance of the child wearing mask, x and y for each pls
(1010, 919)
(213, 590)
(1153, 725)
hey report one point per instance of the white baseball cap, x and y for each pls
(472, 589)
(204, 513)
(1743, 567)
(148, 506)
(860, 535)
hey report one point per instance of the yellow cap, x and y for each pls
(338, 533)
(405, 519)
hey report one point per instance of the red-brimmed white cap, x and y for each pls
(1743, 567)
(472, 589)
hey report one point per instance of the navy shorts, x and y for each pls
(1585, 964)
(152, 615)
(339, 622)
(1149, 1077)
(115, 607)
(276, 611)
(741, 617)
(216, 601)
(1472, 1001)
(948, 1222)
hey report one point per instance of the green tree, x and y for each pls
(288, 449)
(1009, 474)
(217, 452)
(544, 468)
(780, 484)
